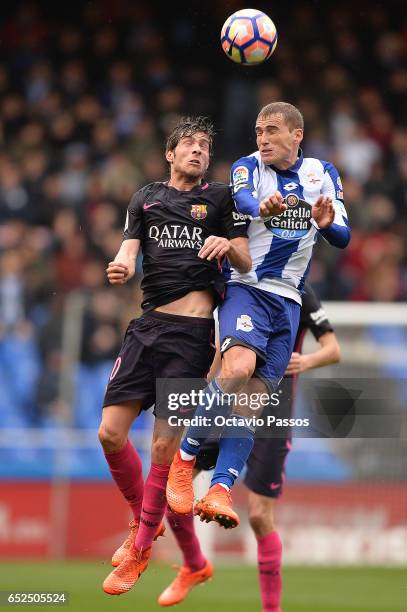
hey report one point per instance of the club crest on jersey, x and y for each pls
(244, 323)
(312, 178)
(199, 211)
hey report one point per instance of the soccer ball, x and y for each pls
(248, 37)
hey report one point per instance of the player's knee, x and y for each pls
(261, 520)
(239, 371)
(163, 450)
(111, 439)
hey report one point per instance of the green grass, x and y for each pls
(233, 589)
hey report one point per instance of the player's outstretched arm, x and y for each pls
(123, 267)
(328, 353)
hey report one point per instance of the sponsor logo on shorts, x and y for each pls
(234, 472)
(244, 323)
(275, 485)
(240, 175)
(199, 211)
(318, 316)
(225, 344)
(115, 368)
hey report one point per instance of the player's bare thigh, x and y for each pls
(165, 443)
(238, 365)
(116, 423)
(261, 513)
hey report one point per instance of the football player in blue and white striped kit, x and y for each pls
(288, 201)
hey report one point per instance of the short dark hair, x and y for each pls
(188, 126)
(291, 114)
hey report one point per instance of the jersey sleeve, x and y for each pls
(134, 226)
(244, 178)
(338, 233)
(234, 224)
(313, 315)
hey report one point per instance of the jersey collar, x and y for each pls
(197, 189)
(294, 168)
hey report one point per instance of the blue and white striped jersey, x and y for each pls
(281, 247)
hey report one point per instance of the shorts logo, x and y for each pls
(318, 316)
(234, 472)
(292, 200)
(199, 211)
(244, 323)
(240, 175)
(225, 344)
(275, 485)
(115, 368)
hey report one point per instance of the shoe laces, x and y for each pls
(183, 477)
(133, 525)
(183, 572)
(134, 557)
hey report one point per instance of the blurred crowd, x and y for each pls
(86, 102)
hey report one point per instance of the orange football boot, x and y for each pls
(125, 575)
(217, 506)
(180, 491)
(121, 552)
(185, 580)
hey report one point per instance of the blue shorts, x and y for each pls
(265, 322)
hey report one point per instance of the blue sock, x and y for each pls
(215, 403)
(235, 446)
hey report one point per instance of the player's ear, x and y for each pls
(169, 156)
(298, 135)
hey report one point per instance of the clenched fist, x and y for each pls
(272, 206)
(117, 273)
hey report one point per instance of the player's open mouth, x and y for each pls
(196, 162)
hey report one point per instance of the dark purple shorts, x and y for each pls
(159, 346)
